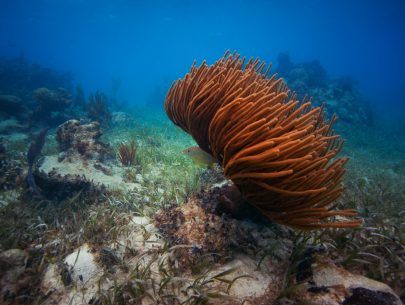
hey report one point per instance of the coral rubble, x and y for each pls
(204, 224)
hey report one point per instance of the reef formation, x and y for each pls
(82, 140)
(124, 217)
(340, 94)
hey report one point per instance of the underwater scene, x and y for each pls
(202, 152)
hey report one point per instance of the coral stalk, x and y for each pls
(127, 153)
(279, 151)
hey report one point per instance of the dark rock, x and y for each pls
(331, 284)
(59, 188)
(363, 296)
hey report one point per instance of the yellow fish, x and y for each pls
(199, 156)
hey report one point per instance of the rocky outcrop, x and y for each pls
(327, 284)
(77, 139)
(55, 186)
(341, 95)
(257, 251)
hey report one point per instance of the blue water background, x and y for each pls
(148, 44)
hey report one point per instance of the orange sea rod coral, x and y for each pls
(277, 150)
(127, 153)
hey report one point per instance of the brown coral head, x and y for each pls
(279, 151)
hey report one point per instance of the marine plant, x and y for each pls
(32, 156)
(278, 151)
(378, 249)
(127, 153)
(97, 108)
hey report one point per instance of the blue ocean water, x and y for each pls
(148, 44)
(95, 164)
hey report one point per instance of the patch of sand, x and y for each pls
(114, 181)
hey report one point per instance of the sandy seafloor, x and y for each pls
(103, 245)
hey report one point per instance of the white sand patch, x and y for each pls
(82, 265)
(253, 283)
(87, 170)
(141, 236)
(85, 273)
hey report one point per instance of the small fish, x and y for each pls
(199, 156)
(32, 156)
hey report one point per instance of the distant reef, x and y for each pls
(341, 95)
(33, 94)
(20, 77)
(38, 96)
